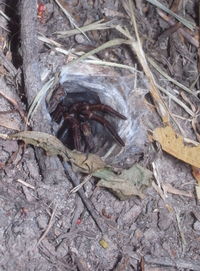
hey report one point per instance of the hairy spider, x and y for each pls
(76, 120)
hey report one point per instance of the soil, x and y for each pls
(43, 226)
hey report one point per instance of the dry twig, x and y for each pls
(51, 221)
(177, 263)
(99, 222)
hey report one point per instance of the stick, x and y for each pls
(51, 221)
(99, 222)
(178, 263)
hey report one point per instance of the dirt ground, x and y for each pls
(43, 225)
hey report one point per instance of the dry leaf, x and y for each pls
(196, 174)
(167, 187)
(198, 191)
(174, 144)
(196, 126)
(130, 182)
(87, 163)
(126, 184)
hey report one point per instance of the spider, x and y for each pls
(76, 120)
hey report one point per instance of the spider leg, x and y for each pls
(76, 107)
(74, 124)
(57, 113)
(87, 132)
(105, 123)
(80, 106)
(103, 108)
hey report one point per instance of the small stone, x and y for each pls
(196, 226)
(103, 243)
(42, 221)
(79, 38)
(164, 219)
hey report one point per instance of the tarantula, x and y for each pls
(76, 119)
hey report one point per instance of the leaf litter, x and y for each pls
(170, 141)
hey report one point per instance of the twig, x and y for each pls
(71, 19)
(182, 236)
(185, 22)
(25, 183)
(98, 25)
(111, 64)
(32, 81)
(48, 227)
(39, 97)
(30, 48)
(177, 101)
(5, 16)
(17, 104)
(137, 49)
(8, 65)
(104, 46)
(171, 79)
(76, 188)
(99, 222)
(186, 33)
(178, 263)
(31, 68)
(51, 42)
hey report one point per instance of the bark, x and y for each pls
(41, 120)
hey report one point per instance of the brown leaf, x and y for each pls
(174, 144)
(130, 182)
(87, 163)
(196, 174)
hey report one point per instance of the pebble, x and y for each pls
(196, 226)
(79, 38)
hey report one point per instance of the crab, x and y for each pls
(77, 119)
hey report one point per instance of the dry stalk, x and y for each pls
(51, 221)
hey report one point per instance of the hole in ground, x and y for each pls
(12, 11)
(88, 129)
